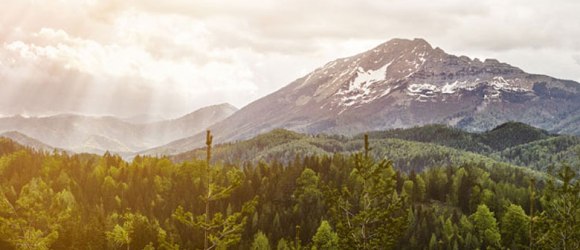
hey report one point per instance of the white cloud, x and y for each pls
(577, 59)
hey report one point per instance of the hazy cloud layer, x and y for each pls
(127, 57)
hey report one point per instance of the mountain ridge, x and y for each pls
(81, 133)
(27, 141)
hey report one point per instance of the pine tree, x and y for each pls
(514, 227)
(433, 242)
(559, 224)
(369, 212)
(260, 242)
(485, 227)
(308, 202)
(220, 231)
(325, 238)
(36, 217)
(282, 245)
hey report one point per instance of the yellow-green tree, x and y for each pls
(260, 242)
(485, 228)
(33, 221)
(325, 238)
(514, 228)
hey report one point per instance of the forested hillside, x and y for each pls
(364, 195)
(412, 149)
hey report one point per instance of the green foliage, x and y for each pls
(407, 155)
(437, 134)
(541, 154)
(433, 244)
(35, 217)
(485, 228)
(120, 236)
(282, 245)
(412, 149)
(369, 213)
(219, 229)
(559, 224)
(260, 242)
(512, 134)
(515, 228)
(325, 238)
(309, 202)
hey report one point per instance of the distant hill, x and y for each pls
(503, 136)
(27, 141)
(414, 148)
(438, 134)
(79, 133)
(543, 154)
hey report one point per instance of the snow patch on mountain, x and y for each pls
(360, 90)
(451, 88)
(366, 78)
(498, 83)
(423, 92)
(420, 88)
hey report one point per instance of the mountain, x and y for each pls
(400, 84)
(512, 134)
(193, 122)
(80, 133)
(27, 141)
(144, 118)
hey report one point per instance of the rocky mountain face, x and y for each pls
(79, 133)
(404, 83)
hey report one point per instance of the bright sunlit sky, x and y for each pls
(170, 57)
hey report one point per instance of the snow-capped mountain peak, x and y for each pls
(406, 71)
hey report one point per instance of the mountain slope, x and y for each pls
(27, 141)
(399, 84)
(283, 145)
(99, 134)
(437, 134)
(543, 154)
(413, 148)
(512, 134)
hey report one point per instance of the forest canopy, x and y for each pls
(355, 200)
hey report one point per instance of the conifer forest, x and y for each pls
(365, 192)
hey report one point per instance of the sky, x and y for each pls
(168, 58)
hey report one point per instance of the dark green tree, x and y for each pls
(559, 223)
(309, 202)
